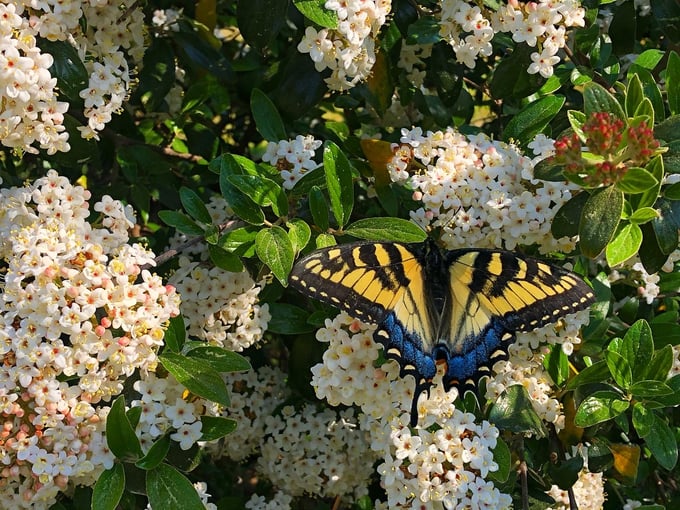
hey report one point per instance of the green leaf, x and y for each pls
(156, 454)
(645, 109)
(324, 240)
(636, 180)
(196, 376)
(619, 368)
(651, 90)
(634, 95)
(595, 373)
(599, 407)
(242, 205)
(666, 225)
(512, 411)
(566, 472)
(673, 83)
(218, 358)
(216, 427)
(193, 42)
(315, 11)
(597, 99)
(576, 120)
(168, 489)
(267, 119)
(510, 78)
(120, 435)
(175, 334)
(224, 259)
(650, 389)
(600, 217)
(624, 245)
(339, 182)
(157, 75)
(661, 364)
(273, 247)
(67, 68)
(557, 365)
(260, 21)
(672, 192)
(566, 220)
(262, 191)
(239, 240)
(622, 29)
(181, 222)
(288, 319)
(318, 206)
(533, 119)
(503, 457)
(299, 232)
(548, 170)
(424, 30)
(643, 419)
(638, 348)
(386, 229)
(662, 443)
(109, 488)
(643, 215)
(193, 205)
(648, 197)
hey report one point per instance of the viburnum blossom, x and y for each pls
(348, 50)
(76, 305)
(588, 492)
(480, 192)
(294, 158)
(469, 28)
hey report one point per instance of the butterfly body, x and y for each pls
(461, 307)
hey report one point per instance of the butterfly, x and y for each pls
(462, 307)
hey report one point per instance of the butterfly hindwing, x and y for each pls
(460, 306)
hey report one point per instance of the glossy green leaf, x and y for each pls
(156, 454)
(533, 119)
(512, 411)
(666, 225)
(120, 435)
(194, 44)
(198, 377)
(600, 217)
(288, 319)
(156, 76)
(673, 83)
(239, 240)
(316, 11)
(634, 95)
(565, 473)
(660, 364)
(597, 99)
(503, 457)
(650, 389)
(193, 205)
(109, 488)
(175, 334)
(636, 180)
(651, 90)
(643, 215)
(567, 219)
(557, 365)
(216, 427)
(672, 192)
(624, 245)
(267, 119)
(648, 198)
(662, 443)
(576, 120)
(386, 229)
(510, 78)
(299, 232)
(260, 21)
(324, 240)
(263, 191)
(599, 407)
(339, 182)
(242, 205)
(168, 489)
(224, 259)
(638, 348)
(595, 373)
(318, 206)
(273, 247)
(220, 359)
(643, 419)
(67, 68)
(181, 222)
(620, 368)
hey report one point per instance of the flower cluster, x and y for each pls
(327, 451)
(106, 34)
(616, 148)
(294, 158)
(76, 304)
(469, 29)
(29, 112)
(425, 467)
(255, 395)
(348, 50)
(588, 491)
(280, 501)
(480, 192)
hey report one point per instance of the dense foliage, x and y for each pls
(165, 164)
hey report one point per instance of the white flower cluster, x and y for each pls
(294, 158)
(255, 395)
(328, 453)
(425, 468)
(220, 307)
(105, 33)
(75, 304)
(29, 113)
(541, 24)
(588, 491)
(480, 192)
(164, 409)
(280, 501)
(348, 50)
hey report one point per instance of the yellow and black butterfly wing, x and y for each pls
(493, 295)
(380, 283)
